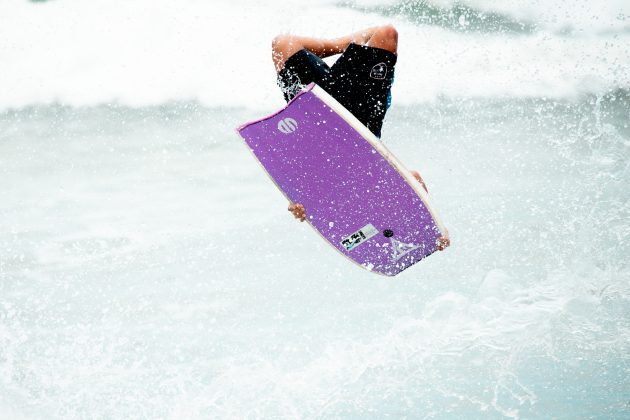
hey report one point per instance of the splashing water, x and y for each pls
(148, 268)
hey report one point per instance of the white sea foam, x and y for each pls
(150, 52)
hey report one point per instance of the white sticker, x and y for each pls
(357, 238)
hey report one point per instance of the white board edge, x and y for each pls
(382, 149)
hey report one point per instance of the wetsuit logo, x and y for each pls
(287, 125)
(379, 71)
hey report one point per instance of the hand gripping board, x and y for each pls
(356, 193)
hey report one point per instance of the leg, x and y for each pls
(284, 46)
(385, 37)
(364, 74)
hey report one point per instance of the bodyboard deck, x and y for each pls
(356, 193)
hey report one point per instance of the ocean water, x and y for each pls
(149, 269)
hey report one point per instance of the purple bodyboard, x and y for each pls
(357, 195)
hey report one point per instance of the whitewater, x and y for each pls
(149, 269)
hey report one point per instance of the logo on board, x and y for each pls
(400, 249)
(287, 125)
(379, 71)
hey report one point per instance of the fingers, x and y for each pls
(443, 242)
(419, 179)
(298, 210)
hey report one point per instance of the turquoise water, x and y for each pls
(149, 269)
